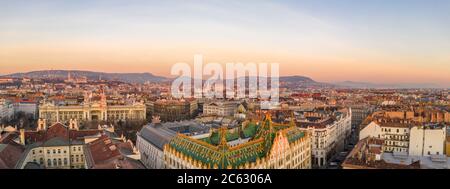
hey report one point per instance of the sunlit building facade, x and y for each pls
(273, 146)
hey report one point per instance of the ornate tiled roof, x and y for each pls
(214, 155)
(293, 134)
(222, 156)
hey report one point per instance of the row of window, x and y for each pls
(389, 130)
(396, 137)
(70, 117)
(75, 149)
(71, 113)
(394, 149)
(76, 158)
(395, 143)
(59, 151)
(57, 162)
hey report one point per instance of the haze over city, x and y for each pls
(330, 41)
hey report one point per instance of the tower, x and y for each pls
(292, 121)
(112, 130)
(22, 136)
(223, 137)
(156, 119)
(103, 101)
(42, 124)
(223, 145)
(87, 97)
(73, 124)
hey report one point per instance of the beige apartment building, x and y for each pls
(100, 111)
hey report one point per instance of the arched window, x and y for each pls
(54, 162)
(49, 162)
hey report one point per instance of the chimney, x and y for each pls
(135, 150)
(156, 119)
(122, 137)
(22, 136)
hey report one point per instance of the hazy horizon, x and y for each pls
(396, 84)
(404, 41)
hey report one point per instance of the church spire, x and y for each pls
(292, 123)
(223, 137)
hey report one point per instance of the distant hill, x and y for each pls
(124, 77)
(288, 81)
(301, 82)
(285, 81)
(296, 79)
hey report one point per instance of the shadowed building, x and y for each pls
(174, 110)
(56, 147)
(152, 138)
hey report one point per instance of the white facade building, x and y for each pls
(92, 111)
(426, 141)
(408, 138)
(220, 108)
(6, 110)
(395, 135)
(330, 138)
(55, 154)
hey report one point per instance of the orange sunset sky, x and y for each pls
(379, 42)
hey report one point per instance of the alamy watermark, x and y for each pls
(249, 80)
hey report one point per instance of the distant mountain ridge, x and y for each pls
(300, 81)
(296, 78)
(124, 77)
(285, 81)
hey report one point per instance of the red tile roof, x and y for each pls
(58, 130)
(24, 101)
(106, 155)
(103, 149)
(8, 137)
(10, 154)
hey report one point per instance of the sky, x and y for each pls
(380, 41)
